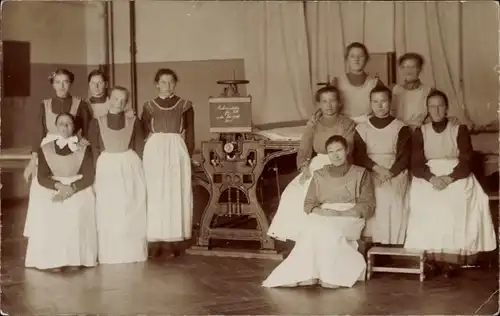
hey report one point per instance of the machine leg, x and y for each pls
(206, 219)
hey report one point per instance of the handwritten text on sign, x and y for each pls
(229, 112)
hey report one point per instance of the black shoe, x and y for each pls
(154, 251)
(450, 270)
(431, 269)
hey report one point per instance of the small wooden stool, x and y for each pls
(395, 252)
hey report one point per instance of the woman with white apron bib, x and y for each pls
(450, 216)
(63, 232)
(382, 145)
(117, 144)
(356, 84)
(290, 215)
(408, 101)
(167, 166)
(339, 199)
(45, 129)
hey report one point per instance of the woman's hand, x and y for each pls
(63, 192)
(305, 174)
(454, 120)
(315, 118)
(383, 174)
(325, 212)
(29, 171)
(446, 181)
(438, 183)
(130, 113)
(82, 142)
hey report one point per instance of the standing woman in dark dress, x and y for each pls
(45, 129)
(98, 98)
(63, 232)
(117, 144)
(167, 165)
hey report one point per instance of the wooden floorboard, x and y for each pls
(200, 285)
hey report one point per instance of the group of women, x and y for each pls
(384, 164)
(104, 182)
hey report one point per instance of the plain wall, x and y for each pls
(56, 32)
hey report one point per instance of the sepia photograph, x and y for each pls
(163, 157)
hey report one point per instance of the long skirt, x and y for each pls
(35, 189)
(121, 208)
(325, 252)
(290, 215)
(455, 221)
(63, 233)
(388, 224)
(167, 168)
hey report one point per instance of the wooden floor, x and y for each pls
(195, 285)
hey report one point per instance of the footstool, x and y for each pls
(384, 251)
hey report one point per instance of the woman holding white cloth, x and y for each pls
(290, 214)
(449, 211)
(339, 200)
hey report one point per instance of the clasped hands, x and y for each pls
(63, 192)
(381, 175)
(353, 212)
(441, 182)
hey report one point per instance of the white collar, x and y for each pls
(71, 142)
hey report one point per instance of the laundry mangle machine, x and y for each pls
(233, 160)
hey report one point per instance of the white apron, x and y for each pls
(356, 100)
(325, 252)
(410, 106)
(121, 208)
(290, 216)
(52, 135)
(35, 189)
(167, 170)
(99, 109)
(388, 224)
(456, 220)
(63, 233)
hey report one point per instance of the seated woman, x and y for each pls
(338, 201)
(382, 145)
(290, 215)
(449, 213)
(63, 233)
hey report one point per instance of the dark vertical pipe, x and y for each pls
(112, 42)
(106, 39)
(133, 51)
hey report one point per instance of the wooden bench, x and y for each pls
(383, 251)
